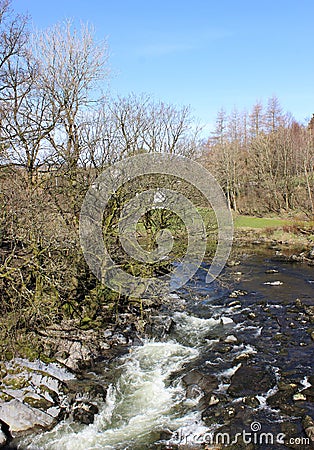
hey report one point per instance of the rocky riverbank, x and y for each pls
(35, 396)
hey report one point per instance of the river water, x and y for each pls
(245, 318)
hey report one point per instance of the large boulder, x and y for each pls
(21, 417)
(251, 381)
(32, 395)
(201, 385)
(84, 412)
(206, 382)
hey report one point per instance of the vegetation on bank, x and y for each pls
(292, 236)
(289, 223)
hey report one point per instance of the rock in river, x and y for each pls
(308, 425)
(250, 381)
(84, 412)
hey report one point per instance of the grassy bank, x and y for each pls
(292, 232)
(260, 222)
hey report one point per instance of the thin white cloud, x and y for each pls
(163, 49)
(169, 44)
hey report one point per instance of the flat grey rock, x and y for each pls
(21, 417)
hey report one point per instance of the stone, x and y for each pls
(283, 400)
(289, 429)
(299, 397)
(77, 348)
(310, 432)
(226, 320)
(76, 353)
(159, 325)
(218, 414)
(165, 435)
(193, 391)
(33, 395)
(242, 357)
(86, 389)
(84, 412)
(213, 400)
(237, 293)
(251, 316)
(231, 339)
(38, 402)
(4, 397)
(309, 392)
(223, 348)
(234, 304)
(22, 418)
(308, 425)
(233, 263)
(250, 381)
(3, 438)
(310, 312)
(308, 422)
(5, 435)
(297, 258)
(284, 386)
(206, 382)
(251, 402)
(257, 242)
(298, 303)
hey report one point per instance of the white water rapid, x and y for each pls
(142, 402)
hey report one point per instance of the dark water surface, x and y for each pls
(267, 299)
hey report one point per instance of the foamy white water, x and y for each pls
(142, 402)
(191, 330)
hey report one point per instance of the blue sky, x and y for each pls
(207, 54)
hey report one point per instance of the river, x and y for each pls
(249, 321)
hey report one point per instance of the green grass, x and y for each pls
(259, 222)
(240, 221)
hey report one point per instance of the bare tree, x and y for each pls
(266, 164)
(274, 117)
(256, 119)
(224, 154)
(71, 67)
(125, 126)
(303, 141)
(29, 116)
(169, 130)
(13, 37)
